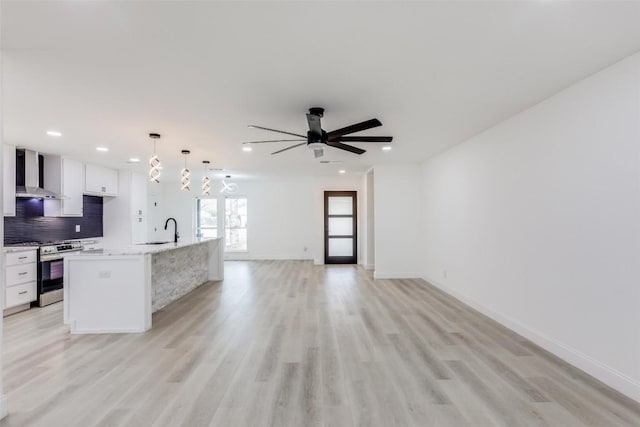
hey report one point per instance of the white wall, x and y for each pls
(367, 239)
(3, 399)
(397, 223)
(279, 215)
(167, 200)
(537, 223)
(285, 215)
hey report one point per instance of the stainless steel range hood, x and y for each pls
(28, 172)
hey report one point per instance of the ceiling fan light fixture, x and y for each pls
(154, 161)
(317, 138)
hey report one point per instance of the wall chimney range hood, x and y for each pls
(30, 176)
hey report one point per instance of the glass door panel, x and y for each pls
(340, 206)
(341, 247)
(340, 226)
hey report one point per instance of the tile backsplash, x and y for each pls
(30, 224)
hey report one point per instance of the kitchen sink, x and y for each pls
(153, 243)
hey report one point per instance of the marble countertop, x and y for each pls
(9, 249)
(138, 249)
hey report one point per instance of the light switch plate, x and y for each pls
(77, 228)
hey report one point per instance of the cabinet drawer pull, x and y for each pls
(22, 257)
(22, 273)
(22, 293)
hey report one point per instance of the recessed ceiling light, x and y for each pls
(247, 148)
(386, 148)
(134, 160)
(342, 171)
(54, 133)
(103, 149)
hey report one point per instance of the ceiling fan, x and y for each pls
(317, 138)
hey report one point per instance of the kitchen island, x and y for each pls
(115, 290)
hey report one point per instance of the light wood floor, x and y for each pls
(289, 343)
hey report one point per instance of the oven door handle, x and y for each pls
(46, 258)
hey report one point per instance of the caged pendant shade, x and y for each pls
(206, 182)
(154, 161)
(186, 174)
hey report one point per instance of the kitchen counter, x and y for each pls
(10, 249)
(116, 289)
(141, 249)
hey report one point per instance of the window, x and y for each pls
(235, 224)
(206, 218)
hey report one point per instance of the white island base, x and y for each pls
(117, 290)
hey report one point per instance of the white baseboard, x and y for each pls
(391, 275)
(608, 375)
(247, 257)
(3, 406)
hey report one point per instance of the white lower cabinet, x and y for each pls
(20, 273)
(20, 277)
(20, 294)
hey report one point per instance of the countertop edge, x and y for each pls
(9, 249)
(138, 249)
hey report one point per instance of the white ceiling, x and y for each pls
(435, 73)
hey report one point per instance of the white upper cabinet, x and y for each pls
(63, 176)
(9, 180)
(72, 187)
(100, 181)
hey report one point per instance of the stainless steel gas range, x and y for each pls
(51, 270)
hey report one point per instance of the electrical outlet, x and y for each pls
(77, 228)
(444, 273)
(305, 249)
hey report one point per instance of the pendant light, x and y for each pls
(206, 182)
(154, 161)
(186, 174)
(227, 186)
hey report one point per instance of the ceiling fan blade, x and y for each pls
(314, 124)
(289, 148)
(346, 147)
(355, 128)
(278, 131)
(362, 139)
(274, 140)
(318, 152)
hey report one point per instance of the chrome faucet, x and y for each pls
(176, 236)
